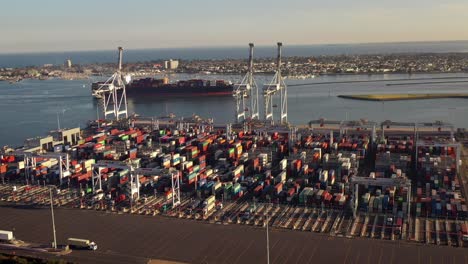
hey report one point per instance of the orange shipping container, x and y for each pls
(3, 168)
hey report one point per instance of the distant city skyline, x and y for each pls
(54, 25)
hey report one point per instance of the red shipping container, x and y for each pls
(255, 162)
(139, 139)
(279, 187)
(121, 198)
(258, 189)
(99, 145)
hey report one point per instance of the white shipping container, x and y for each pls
(208, 208)
(217, 186)
(6, 235)
(281, 177)
(283, 163)
(20, 165)
(89, 162)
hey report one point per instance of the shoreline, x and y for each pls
(402, 97)
(290, 77)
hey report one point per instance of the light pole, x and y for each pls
(53, 218)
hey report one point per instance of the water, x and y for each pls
(130, 55)
(30, 108)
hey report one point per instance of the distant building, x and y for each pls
(68, 63)
(171, 64)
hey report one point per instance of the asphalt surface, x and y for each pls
(137, 239)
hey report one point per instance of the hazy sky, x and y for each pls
(59, 25)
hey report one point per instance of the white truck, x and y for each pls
(6, 235)
(81, 244)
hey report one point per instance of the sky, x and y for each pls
(61, 25)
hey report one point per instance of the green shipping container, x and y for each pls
(162, 132)
(227, 189)
(89, 190)
(237, 188)
(191, 176)
(231, 151)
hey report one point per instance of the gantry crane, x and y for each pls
(29, 159)
(113, 94)
(382, 182)
(247, 88)
(134, 180)
(276, 85)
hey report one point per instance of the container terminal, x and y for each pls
(350, 179)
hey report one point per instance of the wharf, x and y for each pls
(397, 97)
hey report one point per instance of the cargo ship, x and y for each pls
(162, 87)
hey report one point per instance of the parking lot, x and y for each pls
(328, 221)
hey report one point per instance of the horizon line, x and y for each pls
(234, 46)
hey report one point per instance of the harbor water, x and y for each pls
(33, 107)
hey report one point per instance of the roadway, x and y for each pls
(136, 239)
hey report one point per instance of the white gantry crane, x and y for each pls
(247, 88)
(276, 85)
(112, 92)
(29, 158)
(134, 181)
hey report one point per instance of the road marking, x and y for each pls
(347, 254)
(369, 255)
(380, 255)
(419, 256)
(313, 251)
(243, 251)
(303, 248)
(392, 257)
(358, 256)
